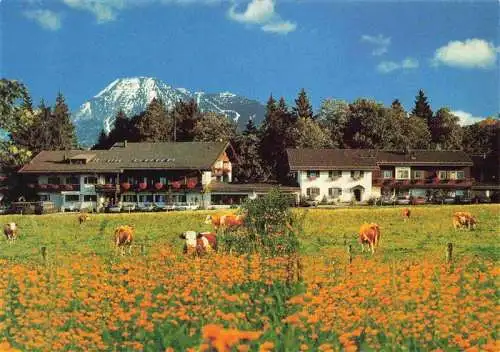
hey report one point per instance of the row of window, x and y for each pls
(332, 192)
(334, 174)
(76, 198)
(403, 173)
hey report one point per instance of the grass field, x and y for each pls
(405, 297)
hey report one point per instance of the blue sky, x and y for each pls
(376, 49)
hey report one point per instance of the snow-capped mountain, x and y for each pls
(132, 95)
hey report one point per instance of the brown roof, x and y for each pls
(424, 157)
(132, 156)
(249, 187)
(368, 159)
(327, 159)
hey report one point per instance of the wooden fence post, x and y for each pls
(449, 253)
(349, 253)
(44, 253)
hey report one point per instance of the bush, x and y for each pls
(270, 227)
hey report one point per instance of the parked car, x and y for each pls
(3, 209)
(481, 198)
(418, 200)
(145, 207)
(463, 200)
(402, 200)
(114, 209)
(387, 200)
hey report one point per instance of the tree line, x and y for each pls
(261, 150)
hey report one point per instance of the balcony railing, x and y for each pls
(108, 187)
(429, 182)
(51, 187)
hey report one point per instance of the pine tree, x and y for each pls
(64, 130)
(270, 143)
(250, 166)
(184, 117)
(422, 108)
(303, 107)
(153, 125)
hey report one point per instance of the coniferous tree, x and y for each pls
(154, 124)
(249, 167)
(422, 108)
(273, 133)
(184, 117)
(63, 129)
(303, 107)
(103, 141)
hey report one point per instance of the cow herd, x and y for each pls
(200, 243)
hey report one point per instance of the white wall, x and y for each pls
(345, 182)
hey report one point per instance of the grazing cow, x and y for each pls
(464, 219)
(124, 237)
(369, 234)
(10, 231)
(406, 214)
(83, 217)
(225, 221)
(199, 243)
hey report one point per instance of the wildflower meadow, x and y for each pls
(328, 296)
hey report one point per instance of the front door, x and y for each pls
(357, 194)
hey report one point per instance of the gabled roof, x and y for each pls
(368, 159)
(328, 159)
(424, 157)
(132, 156)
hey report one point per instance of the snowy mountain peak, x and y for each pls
(133, 94)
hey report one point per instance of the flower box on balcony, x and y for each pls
(142, 186)
(311, 178)
(158, 186)
(67, 187)
(435, 180)
(192, 183)
(43, 186)
(30, 185)
(451, 182)
(53, 187)
(125, 186)
(176, 184)
(3, 178)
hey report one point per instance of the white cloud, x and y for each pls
(389, 66)
(103, 10)
(466, 118)
(262, 12)
(380, 42)
(45, 18)
(281, 27)
(471, 53)
(258, 12)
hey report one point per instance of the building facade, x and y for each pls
(344, 175)
(129, 175)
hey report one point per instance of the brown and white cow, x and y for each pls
(199, 243)
(406, 214)
(225, 221)
(10, 230)
(369, 234)
(83, 217)
(464, 219)
(124, 235)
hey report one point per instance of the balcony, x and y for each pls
(432, 182)
(51, 187)
(107, 188)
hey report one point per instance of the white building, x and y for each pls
(333, 175)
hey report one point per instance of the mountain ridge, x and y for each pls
(133, 94)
